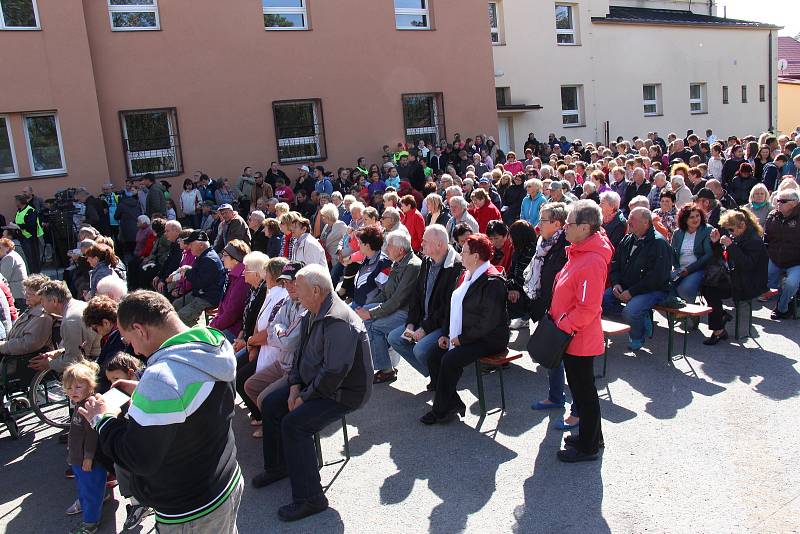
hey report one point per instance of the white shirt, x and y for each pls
(687, 250)
(267, 355)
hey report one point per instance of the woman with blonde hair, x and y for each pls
(759, 203)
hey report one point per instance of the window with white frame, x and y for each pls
(43, 137)
(133, 15)
(762, 93)
(19, 15)
(571, 108)
(285, 15)
(151, 142)
(697, 98)
(494, 22)
(651, 99)
(423, 117)
(8, 162)
(299, 130)
(412, 15)
(744, 94)
(566, 33)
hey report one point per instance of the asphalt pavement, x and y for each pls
(707, 444)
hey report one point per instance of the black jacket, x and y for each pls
(729, 170)
(484, 316)
(740, 189)
(260, 242)
(748, 263)
(439, 303)
(128, 210)
(442, 219)
(173, 261)
(616, 229)
(634, 191)
(207, 277)
(647, 269)
(252, 310)
(554, 261)
(512, 198)
(782, 235)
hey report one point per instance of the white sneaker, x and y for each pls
(75, 509)
(517, 324)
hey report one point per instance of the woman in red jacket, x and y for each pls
(576, 308)
(413, 220)
(484, 210)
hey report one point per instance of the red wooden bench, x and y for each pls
(680, 314)
(495, 361)
(611, 328)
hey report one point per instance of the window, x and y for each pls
(19, 15)
(412, 15)
(285, 15)
(762, 93)
(494, 22)
(651, 99)
(571, 105)
(43, 137)
(697, 98)
(8, 163)
(503, 96)
(423, 117)
(724, 94)
(151, 142)
(299, 130)
(744, 94)
(133, 15)
(565, 24)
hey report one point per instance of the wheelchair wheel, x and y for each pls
(49, 400)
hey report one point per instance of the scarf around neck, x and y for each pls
(533, 273)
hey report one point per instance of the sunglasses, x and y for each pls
(784, 201)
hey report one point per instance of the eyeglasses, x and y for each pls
(784, 201)
(545, 221)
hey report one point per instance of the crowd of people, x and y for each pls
(300, 294)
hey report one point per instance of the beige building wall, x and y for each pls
(607, 63)
(788, 105)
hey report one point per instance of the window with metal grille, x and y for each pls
(133, 15)
(299, 130)
(151, 142)
(19, 15)
(412, 15)
(494, 22)
(285, 15)
(423, 118)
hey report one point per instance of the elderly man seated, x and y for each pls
(331, 377)
(640, 276)
(207, 277)
(429, 307)
(782, 235)
(389, 310)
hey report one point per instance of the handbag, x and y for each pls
(548, 342)
(717, 274)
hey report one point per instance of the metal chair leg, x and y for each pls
(737, 307)
(481, 393)
(670, 335)
(346, 440)
(502, 389)
(318, 447)
(685, 334)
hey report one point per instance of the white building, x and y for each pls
(598, 69)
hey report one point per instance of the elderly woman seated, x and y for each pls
(389, 308)
(231, 307)
(33, 331)
(374, 271)
(478, 327)
(614, 222)
(691, 247)
(333, 231)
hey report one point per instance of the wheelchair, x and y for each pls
(24, 390)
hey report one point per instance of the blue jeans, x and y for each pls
(556, 394)
(378, 330)
(633, 312)
(417, 354)
(787, 286)
(688, 287)
(91, 490)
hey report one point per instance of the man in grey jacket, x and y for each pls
(390, 310)
(331, 377)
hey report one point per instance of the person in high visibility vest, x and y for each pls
(27, 219)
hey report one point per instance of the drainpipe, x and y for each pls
(769, 63)
(710, 8)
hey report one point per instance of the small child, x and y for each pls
(80, 381)
(123, 366)
(171, 215)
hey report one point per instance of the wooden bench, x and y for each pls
(495, 361)
(680, 314)
(611, 328)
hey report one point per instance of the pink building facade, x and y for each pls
(95, 91)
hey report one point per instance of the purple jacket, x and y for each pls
(231, 307)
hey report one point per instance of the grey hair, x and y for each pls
(357, 206)
(176, 225)
(56, 290)
(588, 212)
(557, 210)
(446, 176)
(639, 201)
(393, 213)
(461, 201)
(330, 212)
(659, 175)
(789, 194)
(642, 212)
(317, 275)
(589, 187)
(256, 262)
(438, 232)
(535, 182)
(612, 197)
(638, 170)
(547, 169)
(113, 287)
(399, 239)
(258, 214)
(336, 194)
(678, 179)
(456, 190)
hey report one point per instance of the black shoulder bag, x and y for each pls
(548, 342)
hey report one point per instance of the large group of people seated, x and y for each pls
(322, 282)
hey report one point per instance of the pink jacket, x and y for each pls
(184, 285)
(577, 304)
(231, 307)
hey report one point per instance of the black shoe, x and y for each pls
(781, 315)
(572, 441)
(431, 418)
(727, 317)
(571, 455)
(385, 377)
(713, 339)
(265, 478)
(299, 510)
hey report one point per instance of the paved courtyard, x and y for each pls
(707, 445)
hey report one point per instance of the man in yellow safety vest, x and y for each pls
(27, 219)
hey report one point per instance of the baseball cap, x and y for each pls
(484, 181)
(11, 226)
(197, 235)
(303, 168)
(290, 270)
(225, 207)
(705, 193)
